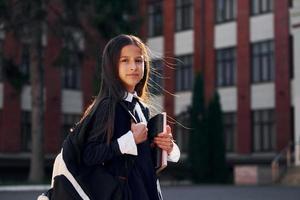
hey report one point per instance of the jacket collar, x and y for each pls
(129, 96)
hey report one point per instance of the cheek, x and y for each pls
(121, 71)
(142, 71)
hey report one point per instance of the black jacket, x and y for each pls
(140, 182)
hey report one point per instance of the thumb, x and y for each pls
(168, 129)
(133, 125)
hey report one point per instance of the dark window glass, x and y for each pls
(226, 66)
(26, 131)
(292, 121)
(229, 120)
(291, 57)
(25, 63)
(1, 60)
(225, 10)
(263, 66)
(264, 138)
(261, 6)
(68, 122)
(184, 73)
(291, 3)
(184, 14)
(182, 132)
(156, 77)
(71, 72)
(155, 18)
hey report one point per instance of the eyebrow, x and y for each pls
(141, 56)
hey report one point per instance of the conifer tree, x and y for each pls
(216, 138)
(199, 140)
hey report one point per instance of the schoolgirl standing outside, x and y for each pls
(117, 138)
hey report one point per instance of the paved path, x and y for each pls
(194, 193)
(231, 193)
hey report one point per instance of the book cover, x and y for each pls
(156, 125)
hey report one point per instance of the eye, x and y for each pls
(139, 60)
(124, 60)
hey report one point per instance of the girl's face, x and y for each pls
(131, 66)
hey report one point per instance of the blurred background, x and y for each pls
(227, 72)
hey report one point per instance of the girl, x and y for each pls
(114, 140)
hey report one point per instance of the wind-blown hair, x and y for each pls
(112, 90)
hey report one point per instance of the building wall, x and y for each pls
(295, 30)
(58, 100)
(201, 41)
(10, 112)
(245, 96)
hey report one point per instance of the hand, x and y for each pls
(165, 140)
(140, 132)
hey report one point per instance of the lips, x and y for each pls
(132, 75)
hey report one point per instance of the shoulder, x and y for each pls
(102, 105)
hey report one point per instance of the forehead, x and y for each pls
(131, 50)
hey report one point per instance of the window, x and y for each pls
(291, 56)
(229, 120)
(71, 77)
(262, 61)
(155, 18)
(25, 63)
(291, 3)
(26, 131)
(156, 77)
(184, 14)
(226, 66)
(263, 131)
(182, 133)
(184, 73)
(69, 121)
(292, 120)
(225, 10)
(261, 6)
(71, 72)
(1, 59)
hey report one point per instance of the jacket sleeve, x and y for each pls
(97, 150)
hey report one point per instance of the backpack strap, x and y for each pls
(128, 111)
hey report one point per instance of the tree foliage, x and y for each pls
(216, 137)
(206, 143)
(199, 144)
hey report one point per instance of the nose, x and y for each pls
(133, 66)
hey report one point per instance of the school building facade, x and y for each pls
(246, 50)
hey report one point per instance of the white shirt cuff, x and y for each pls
(127, 144)
(174, 154)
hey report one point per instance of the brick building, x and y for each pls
(245, 49)
(67, 91)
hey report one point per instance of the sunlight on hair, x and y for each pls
(154, 106)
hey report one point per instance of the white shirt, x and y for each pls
(126, 141)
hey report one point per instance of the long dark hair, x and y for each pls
(112, 90)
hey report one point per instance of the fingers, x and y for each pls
(139, 131)
(139, 126)
(163, 135)
(165, 143)
(167, 132)
(165, 140)
(165, 146)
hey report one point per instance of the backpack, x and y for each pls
(66, 183)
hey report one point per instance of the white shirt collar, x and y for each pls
(129, 96)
